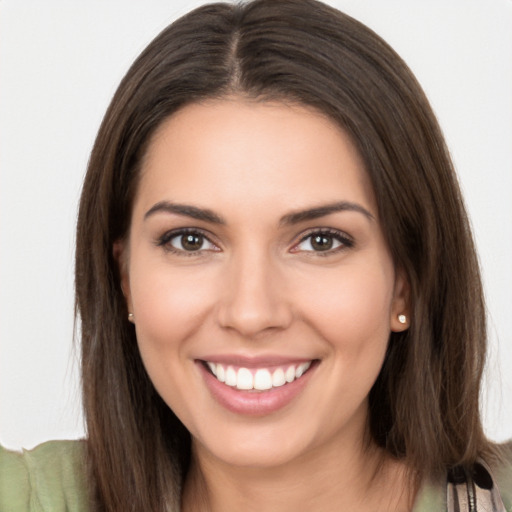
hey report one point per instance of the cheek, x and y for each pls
(170, 308)
(351, 313)
(351, 308)
(169, 304)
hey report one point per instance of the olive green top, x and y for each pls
(51, 478)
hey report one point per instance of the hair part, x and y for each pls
(424, 406)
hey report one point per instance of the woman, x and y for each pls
(276, 282)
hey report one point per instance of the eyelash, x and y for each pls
(344, 240)
(165, 241)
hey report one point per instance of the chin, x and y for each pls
(263, 446)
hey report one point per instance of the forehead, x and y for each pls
(262, 152)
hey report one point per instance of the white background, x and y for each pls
(60, 63)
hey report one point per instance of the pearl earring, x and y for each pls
(131, 318)
(402, 319)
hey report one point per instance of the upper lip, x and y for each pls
(255, 361)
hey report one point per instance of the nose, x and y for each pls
(254, 299)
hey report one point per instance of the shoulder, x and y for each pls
(49, 477)
(502, 473)
(433, 493)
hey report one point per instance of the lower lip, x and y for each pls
(255, 403)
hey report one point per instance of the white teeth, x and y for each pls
(244, 379)
(261, 380)
(230, 376)
(301, 369)
(278, 378)
(290, 374)
(220, 373)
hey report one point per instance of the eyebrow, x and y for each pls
(322, 211)
(185, 210)
(208, 215)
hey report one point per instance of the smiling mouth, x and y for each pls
(257, 379)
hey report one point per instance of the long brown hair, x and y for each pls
(424, 407)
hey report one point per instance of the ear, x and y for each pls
(121, 256)
(400, 309)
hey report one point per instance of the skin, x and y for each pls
(258, 287)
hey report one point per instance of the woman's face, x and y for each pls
(255, 253)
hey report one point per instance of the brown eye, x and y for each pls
(186, 242)
(322, 242)
(329, 241)
(191, 242)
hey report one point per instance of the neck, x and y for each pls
(365, 480)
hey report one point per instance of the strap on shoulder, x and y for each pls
(473, 490)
